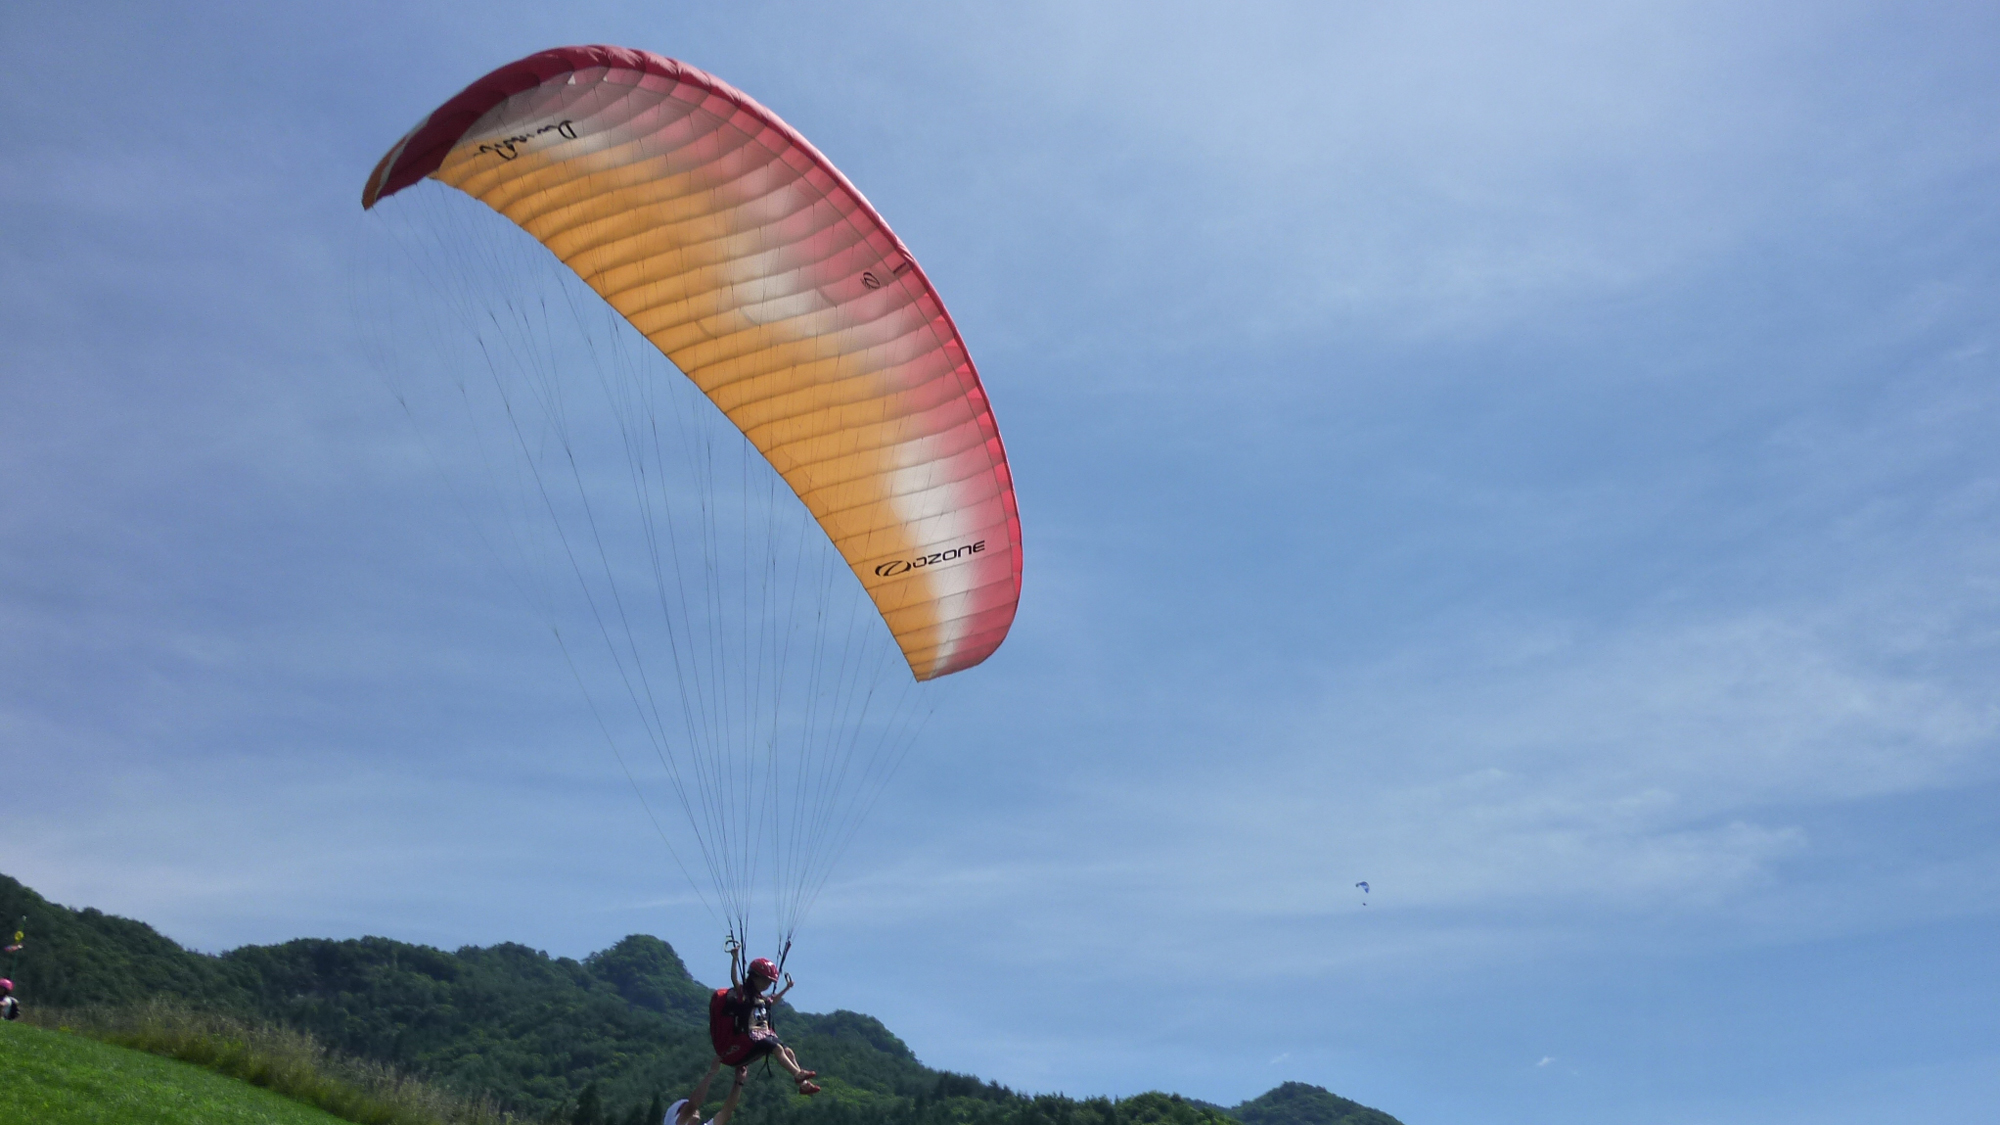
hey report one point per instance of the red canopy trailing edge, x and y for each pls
(726, 239)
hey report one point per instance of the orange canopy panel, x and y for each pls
(764, 275)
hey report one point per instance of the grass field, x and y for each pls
(55, 1078)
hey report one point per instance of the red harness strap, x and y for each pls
(728, 1030)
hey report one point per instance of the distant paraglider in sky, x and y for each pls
(1364, 891)
(751, 638)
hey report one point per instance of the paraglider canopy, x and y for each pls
(759, 674)
(733, 245)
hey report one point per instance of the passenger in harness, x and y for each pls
(739, 1020)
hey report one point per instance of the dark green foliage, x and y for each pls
(600, 1041)
(530, 1029)
(857, 1049)
(648, 974)
(1296, 1103)
(77, 957)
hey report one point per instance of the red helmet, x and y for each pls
(764, 967)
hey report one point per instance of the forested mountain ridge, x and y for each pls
(595, 1040)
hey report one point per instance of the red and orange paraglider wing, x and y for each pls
(749, 260)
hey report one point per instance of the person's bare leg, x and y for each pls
(790, 1062)
(800, 1075)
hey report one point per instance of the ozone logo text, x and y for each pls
(507, 148)
(903, 566)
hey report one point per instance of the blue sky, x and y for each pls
(1535, 458)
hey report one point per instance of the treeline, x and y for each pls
(603, 1041)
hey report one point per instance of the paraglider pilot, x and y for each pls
(739, 1022)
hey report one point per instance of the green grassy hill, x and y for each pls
(594, 1042)
(54, 1078)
